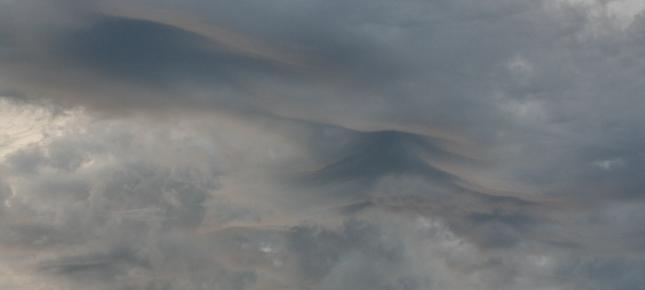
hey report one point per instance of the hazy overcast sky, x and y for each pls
(322, 145)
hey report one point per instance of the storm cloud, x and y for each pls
(395, 145)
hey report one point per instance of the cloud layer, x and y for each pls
(321, 145)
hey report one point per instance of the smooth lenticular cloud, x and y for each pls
(165, 145)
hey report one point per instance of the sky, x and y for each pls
(322, 145)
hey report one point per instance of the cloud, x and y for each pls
(321, 144)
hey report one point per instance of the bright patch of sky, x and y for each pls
(23, 125)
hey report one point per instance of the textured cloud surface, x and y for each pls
(322, 145)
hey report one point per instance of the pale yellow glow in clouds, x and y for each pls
(23, 125)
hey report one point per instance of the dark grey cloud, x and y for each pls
(383, 153)
(153, 53)
(321, 144)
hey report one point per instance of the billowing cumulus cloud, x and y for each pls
(401, 145)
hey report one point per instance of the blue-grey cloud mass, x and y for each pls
(322, 145)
